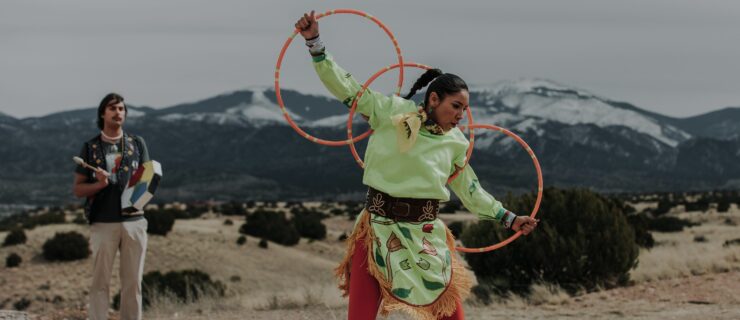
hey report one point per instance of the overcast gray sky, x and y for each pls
(679, 58)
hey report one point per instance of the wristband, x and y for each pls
(508, 219)
(315, 46)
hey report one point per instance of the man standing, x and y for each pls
(116, 154)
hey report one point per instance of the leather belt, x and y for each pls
(401, 209)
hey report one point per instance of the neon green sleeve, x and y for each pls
(376, 106)
(474, 198)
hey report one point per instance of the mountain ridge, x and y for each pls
(237, 145)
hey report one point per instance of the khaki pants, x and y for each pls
(106, 239)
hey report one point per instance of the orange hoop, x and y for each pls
(292, 124)
(362, 91)
(350, 141)
(539, 188)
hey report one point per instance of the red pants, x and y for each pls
(364, 291)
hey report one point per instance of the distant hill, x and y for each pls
(238, 146)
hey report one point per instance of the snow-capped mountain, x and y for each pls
(237, 145)
(525, 104)
(257, 111)
(258, 107)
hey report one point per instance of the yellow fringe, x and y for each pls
(445, 305)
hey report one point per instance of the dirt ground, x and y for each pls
(680, 278)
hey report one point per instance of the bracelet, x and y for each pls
(315, 46)
(508, 219)
(312, 41)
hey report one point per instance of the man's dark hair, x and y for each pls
(111, 98)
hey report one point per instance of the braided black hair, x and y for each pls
(441, 83)
(423, 81)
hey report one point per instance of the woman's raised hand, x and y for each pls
(308, 25)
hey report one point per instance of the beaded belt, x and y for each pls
(401, 209)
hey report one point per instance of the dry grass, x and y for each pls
(678, 255)
(540, 294)
(297, 283)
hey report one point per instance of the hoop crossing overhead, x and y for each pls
(400, 65)
(280, 102)
(362, 91)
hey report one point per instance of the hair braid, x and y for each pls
(423, 81)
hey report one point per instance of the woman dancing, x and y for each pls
(400, 255)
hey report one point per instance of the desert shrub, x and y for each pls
(306, 211)
(640, 223)
(702, 204)
(487, 292)
(700, 238)
(723, 206)
(669, 224)
(13, 260)
(263, 243)
(272, 226)
(482, 293)
(189, 213)
(664, 205)
(232, 208)
(628, 209)
(22, 304)
(13, 221)
(15, 236)
(66, 246)
(294, 204)
(79, 219)
(582, 241)
(160, 222)
(308, 224)
(356, 207)
(451, 206)
(54, 216)
(733, 242)
(27, 220)
(242, 240)
(228, 222)
(184, 286)
(456, 228)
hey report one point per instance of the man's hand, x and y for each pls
(102, 177)
(525, 224)
(308, 26)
